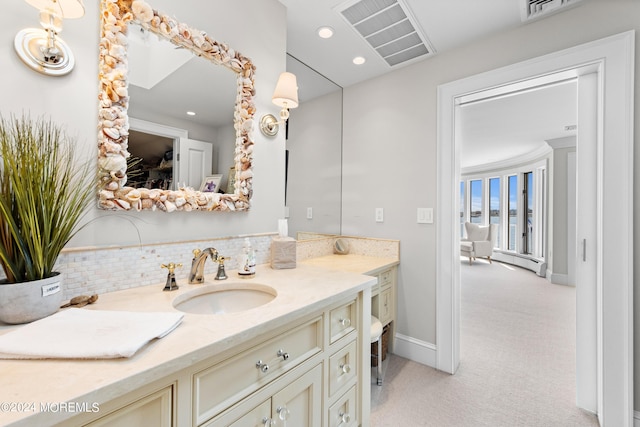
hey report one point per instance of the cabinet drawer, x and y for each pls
(386, 278)
(342, 320)
(344, 412)
(343, 367)
(221, 385)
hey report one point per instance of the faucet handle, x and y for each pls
(196, 253)
(171, 266)
(221, 275)
(171, 284)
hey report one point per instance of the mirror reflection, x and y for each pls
(168, 85)
(189, 51)
(314, 155)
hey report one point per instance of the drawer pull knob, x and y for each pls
(262, 366)
(346, 322)
(283, 412)
(345, 368)
(283, 354)
(268, 422)
(344, 418)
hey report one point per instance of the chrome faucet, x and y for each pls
(196, 275)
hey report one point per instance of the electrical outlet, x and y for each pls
(309, 213)
(379, 215)
(425, 215)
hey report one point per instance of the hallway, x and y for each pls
(517, 363)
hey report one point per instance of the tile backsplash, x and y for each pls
(89, 271)
(99, 270)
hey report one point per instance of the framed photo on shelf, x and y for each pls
(211, 184)
(231, 181)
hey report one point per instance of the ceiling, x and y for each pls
(492, 130)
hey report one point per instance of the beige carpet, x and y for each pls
(517, 364)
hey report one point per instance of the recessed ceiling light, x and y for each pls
(325, 32)
(359, 60)
(190, 113)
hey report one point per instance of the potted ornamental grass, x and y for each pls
(45, 190)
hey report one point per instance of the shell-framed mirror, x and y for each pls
(113, 120)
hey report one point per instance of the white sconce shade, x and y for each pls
(286, 93)
(285, 96)
(67, 9)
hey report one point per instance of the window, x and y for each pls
(527, 209)
(494, 206)
(475, 203)
(513, 211)
(515, 200)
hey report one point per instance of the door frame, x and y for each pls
(613, 61)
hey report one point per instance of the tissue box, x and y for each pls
(283, 253)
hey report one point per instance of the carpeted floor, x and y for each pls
(517, 365)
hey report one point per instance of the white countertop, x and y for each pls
(352, 263)
(313, 285)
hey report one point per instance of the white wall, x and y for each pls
(558, 245)
(390, 145)
(257, 28)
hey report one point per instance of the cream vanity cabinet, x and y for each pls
(310, 372)
(298, 397)
(383, 298)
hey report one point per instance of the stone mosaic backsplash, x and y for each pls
(99, 270)
(318, 246)
(89, 271)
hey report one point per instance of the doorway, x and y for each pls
(611, 61)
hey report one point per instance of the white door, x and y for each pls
(194, 162)
(586, 231)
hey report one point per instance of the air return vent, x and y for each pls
(388, 27)
(533, 9)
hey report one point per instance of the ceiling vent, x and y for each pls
(534, 9)
(388, 27)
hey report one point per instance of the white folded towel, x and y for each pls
(78, 333)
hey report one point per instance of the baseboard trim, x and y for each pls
(414, 349)
(557, 278)
(537, 266)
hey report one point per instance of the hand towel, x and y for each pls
(78, 333)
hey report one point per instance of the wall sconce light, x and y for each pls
(285, 96)
(42, 49)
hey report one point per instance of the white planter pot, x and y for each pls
(29, 301)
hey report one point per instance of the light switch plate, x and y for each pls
(379, 215)
(425, 215)
(309, 213)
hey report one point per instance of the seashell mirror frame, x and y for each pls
(113, 122)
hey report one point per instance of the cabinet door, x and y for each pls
(153, 410)
(386, 306)
(300, 403)
(257, 417)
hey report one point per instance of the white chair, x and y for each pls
(479, 242)
(376, 336)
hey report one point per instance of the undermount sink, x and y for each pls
(223, 298)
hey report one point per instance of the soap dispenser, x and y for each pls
(247, 263)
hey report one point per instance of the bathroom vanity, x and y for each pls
(303, 357)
